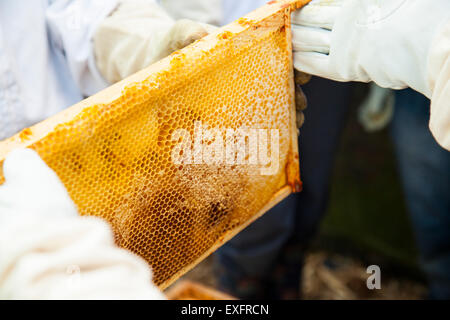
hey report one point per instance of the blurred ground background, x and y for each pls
(366, 224)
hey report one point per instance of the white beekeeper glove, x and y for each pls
(138, 33)
(47, 251)
(377, 109)
(385, 41)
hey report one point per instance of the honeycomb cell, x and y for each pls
(114, 151)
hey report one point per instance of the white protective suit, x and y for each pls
(46, 59)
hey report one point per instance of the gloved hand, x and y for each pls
(377, 110)
(301, 102)
(385, 41)
(138, 34)
(47, 251)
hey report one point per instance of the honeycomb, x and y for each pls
(114, 150)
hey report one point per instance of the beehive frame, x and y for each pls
(189, 290)
(64, 140)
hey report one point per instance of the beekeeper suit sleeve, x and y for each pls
(139, 33)
(47, 251)
(395, 43)
(71, 25)
(439, 79)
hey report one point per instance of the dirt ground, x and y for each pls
(333, 277)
